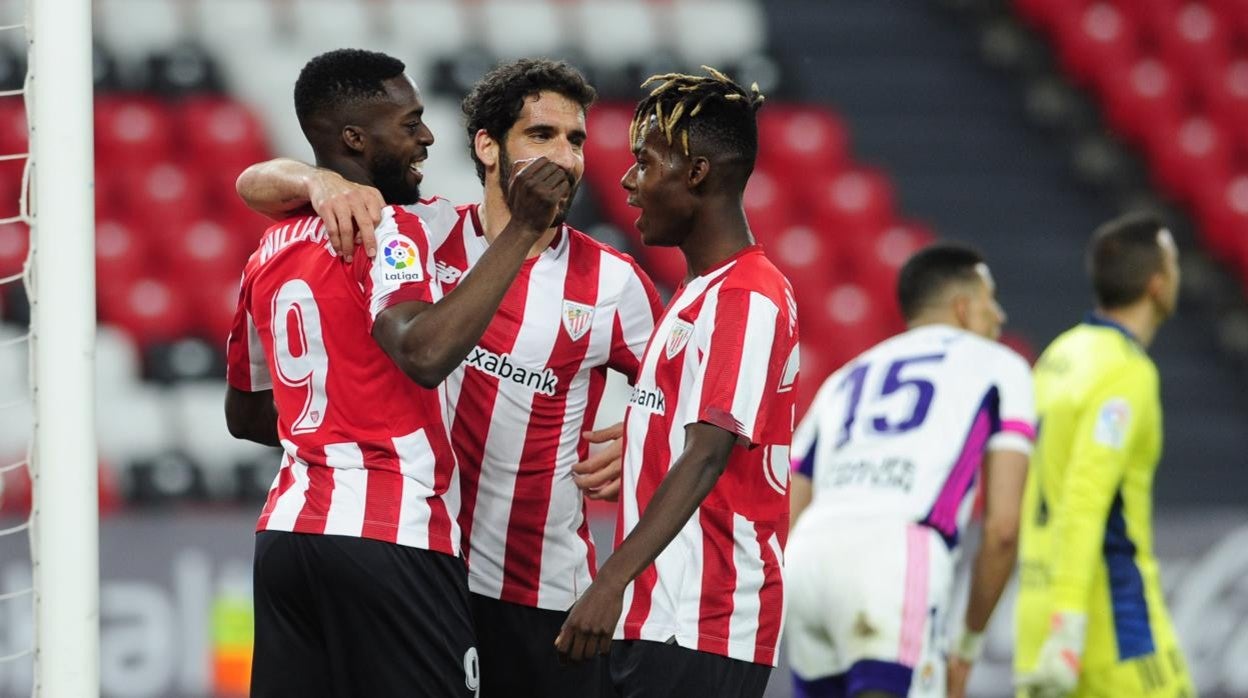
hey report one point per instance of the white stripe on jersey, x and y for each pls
(346, 504)
(416, 464)
(259, 368)
(290, 503)
(748, 560)
(752, 383)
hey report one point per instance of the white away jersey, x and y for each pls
(724, 353)
(526, 392)
(899, 432)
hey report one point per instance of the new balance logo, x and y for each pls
(648, 400)
(448, 274)
(501, 367)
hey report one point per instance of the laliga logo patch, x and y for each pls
(1112, 423)
(401, 260)
(678, 337)
(577, 319)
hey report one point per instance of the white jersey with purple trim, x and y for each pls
(899, 432)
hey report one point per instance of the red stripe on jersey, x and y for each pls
(723, 365)
(316, 500)
(443, 470)
(622, 358)
(597, 384)
(719, 571)
(475, 406)
(384, 498)
(285, 479)
(526, 527)
(771, 602)
(648, 482)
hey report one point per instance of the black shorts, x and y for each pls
(518, 659)
(644, 669)
(341, 616)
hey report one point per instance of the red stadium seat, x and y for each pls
(1143, 93)
(221, 132)
(204, 249)
(14, 137)
(11, 187)
(1046, 14)
(1094, 40)
(879, 259)
(608, 156)
(132, 131)
(769, 205)
(843, 321)
(1189, 154)
(121, 253)
(1225, 91)
(796, 141)
(163, 197)
(14, 246)
(1194, 36)
(1222, 211)
(149, 309)
(852, 202)
(214, 302)
(807, 256)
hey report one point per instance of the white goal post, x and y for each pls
(65, 514)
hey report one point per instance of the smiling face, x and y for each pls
(397, 141)
(658, 184)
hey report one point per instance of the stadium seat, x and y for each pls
(150, 309)
(808, 257)
(1095, 41)
(121, 253)
(715, 32)
(220, 133)
(855, 201)
(798, 141)
(1222, 211)
(1224, 90)
(616, 31)
(118, 365)
(431, 27)
(1140, 94)
(203, 250)
(134, 28)
(162, 197)
(133, 131)
(238, 31)
(198, 421)
(843, 321)
(13, 132)
(14, 245)
(1189, 154)
(321, 25)
(519, 28)
(214, 302)
(133, 424)
(769, 204)
(1194, 36)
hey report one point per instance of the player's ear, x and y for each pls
(353, 138)
(699, 170)
(962, 309)
(486, 148)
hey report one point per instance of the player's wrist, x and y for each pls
(969, 646)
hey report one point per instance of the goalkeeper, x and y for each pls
(1091, 615)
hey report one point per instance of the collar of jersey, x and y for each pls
(478, 229)
(1097, 320)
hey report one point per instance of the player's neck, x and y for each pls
(717, 233)
(1138, 318)
(495, 216)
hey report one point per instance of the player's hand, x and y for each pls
(351, 211)
(538, 189)
(1057, 669)
(599, 475)
(956, 676)
(590, 625)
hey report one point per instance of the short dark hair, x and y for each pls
(342, 78)
(712, 111)
(930, 271)
(495, 102)
(1122, 258)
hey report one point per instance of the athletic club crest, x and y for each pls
(577, 319)
(678, 337)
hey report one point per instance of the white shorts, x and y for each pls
(866, 605)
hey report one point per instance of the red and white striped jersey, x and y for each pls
(366, 449)
(724, 353)
(526, 392)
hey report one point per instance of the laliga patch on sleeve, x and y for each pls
(399, 260)
(1112, 423)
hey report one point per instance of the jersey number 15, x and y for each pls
(894, 382)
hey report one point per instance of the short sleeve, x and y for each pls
(743, 360)
(246, 368)
(638, 308)
(440, 217)
(402, 271)
(1016, 404)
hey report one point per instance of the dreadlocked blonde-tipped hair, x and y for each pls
(679, 99)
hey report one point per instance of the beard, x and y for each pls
(505, 167)
(390, 176)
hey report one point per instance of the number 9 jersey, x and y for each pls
(366, 448)
(899, 432)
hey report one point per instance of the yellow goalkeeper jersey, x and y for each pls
(1086, 532)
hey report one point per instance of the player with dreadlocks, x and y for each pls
(696, 569)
